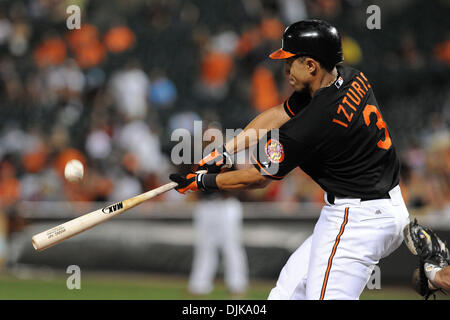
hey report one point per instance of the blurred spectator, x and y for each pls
(126, 185)
(414, 188)
(271, 28)
(118, 39)
(442, 51)
(163, 92)
(292, 11)
(183, 120)
(438, 164)
(15, 140)
(437, 134)
(409, 52)
(95, 78)
(137, 138)
(217, 64)
(52, 51)
(352, 50)
(66, 80)
(9, 185)
(19, 39)
(129, 87)
(92, 55)
(225, 41)
(35, 158)
(216, 68)
(264, 89)
(248, 40)
(98, 144)
(80, 39)
(11, 79)
(325, 9)
(85, 43)
(415, 157)
(5, 29)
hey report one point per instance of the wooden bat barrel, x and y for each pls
(64, 231)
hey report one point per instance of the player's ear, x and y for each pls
(312, 66)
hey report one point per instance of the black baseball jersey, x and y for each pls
(338, 137)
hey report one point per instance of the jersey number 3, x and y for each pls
(368, 110)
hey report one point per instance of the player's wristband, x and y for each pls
(207, 181)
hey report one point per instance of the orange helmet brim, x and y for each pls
(281, 54)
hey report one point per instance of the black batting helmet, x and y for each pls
(312, 38)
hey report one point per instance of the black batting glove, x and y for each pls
(194, 182)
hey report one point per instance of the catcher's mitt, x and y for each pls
(432, 252)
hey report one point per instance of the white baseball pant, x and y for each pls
(348, 240)
(218, 224)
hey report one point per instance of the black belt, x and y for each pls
(331, 197)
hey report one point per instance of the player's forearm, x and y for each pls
(241, 179)
(442, 278)
(272, 118)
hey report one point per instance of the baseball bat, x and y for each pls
(50, 237)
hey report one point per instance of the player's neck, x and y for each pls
(325, 80)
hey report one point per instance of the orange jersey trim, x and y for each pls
(333, 252)
(287, 105)
(262, 168)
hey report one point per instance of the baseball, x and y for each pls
(74, 170)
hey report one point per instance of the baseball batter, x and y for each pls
(332, 128)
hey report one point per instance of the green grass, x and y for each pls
(110, 286)
(100, 286)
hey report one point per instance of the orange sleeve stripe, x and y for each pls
(262, 168)
(287, 105)
(330, 260)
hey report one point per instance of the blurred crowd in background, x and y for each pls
(111, 93)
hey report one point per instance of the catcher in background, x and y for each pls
(433, 273)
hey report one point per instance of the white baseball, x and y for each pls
(74, 170)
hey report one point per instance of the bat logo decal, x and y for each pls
(112, 208)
